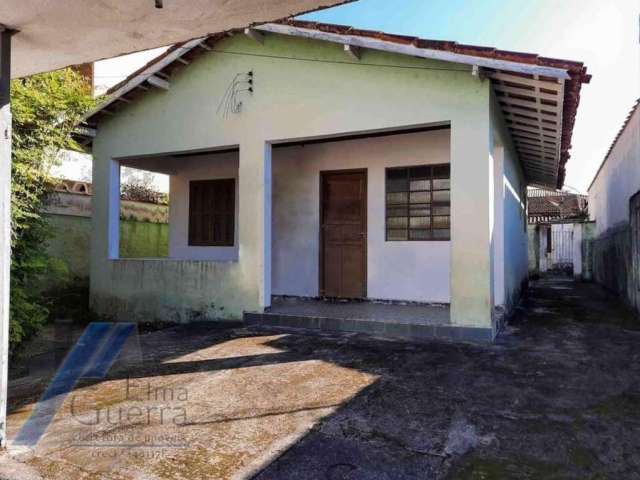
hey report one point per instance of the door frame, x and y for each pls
(323, 174)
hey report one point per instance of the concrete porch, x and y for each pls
(408, 321)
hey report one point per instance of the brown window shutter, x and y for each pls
(212, 212)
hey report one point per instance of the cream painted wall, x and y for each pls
(294, 100)
(205, 167)
(618, 180)
(416, 271)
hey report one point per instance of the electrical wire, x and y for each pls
(339, 62)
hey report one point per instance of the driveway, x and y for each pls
(557, 396)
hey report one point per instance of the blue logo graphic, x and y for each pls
(91, 357)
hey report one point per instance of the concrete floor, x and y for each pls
(557, 396)
(410, 313)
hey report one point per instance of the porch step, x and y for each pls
(389, 329)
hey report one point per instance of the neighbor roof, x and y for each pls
(539, 96)
(547, 205)
(635, 107)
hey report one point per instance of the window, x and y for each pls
(418, 203)
(212, 212)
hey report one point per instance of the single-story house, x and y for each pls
(310, 161)
(614, 204)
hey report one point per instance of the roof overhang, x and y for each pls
(532, 106)
(52, 34)
(538, 96)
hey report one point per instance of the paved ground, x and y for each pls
(557, 397)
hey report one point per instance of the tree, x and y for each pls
(45, 107)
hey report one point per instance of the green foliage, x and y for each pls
(45, 109)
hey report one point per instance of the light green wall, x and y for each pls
(143, 239)
(293, 100)
(71, 241)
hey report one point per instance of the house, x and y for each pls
(312, 161)
(614, 204)
(558, 232)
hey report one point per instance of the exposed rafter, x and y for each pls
(158, 82)
(353, 52)
(532, 107)
(253, 34)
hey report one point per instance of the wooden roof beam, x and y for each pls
(158, 82)
(254, 35)
(506, 77)
(353, 52)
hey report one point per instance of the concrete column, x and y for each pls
(113, 206)
(498, 257)
(472, 220)
(5, 220)
(255, 222)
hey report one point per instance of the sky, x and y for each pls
(601, 33)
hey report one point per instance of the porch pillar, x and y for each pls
(255, 222)
(5, 220)
(472, 216)
(113, 210)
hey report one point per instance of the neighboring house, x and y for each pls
(558, 226)
(614, 204)
(310, 160)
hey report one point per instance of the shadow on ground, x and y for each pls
(557, 396)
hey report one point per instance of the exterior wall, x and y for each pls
(143, 239)
(533, 248)
(71, 241)
(415, 271)
(510, 241)
(588, 233)
(292, 100)
(206, 167)
(612, 260)
(617, 181)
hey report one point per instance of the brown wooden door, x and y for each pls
(343, 226)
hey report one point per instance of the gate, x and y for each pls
(560, 247)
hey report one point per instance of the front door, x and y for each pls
(343, 227)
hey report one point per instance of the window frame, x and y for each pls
(408, 216)
(230, 241)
